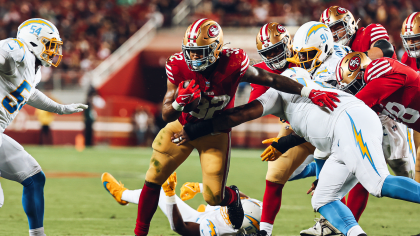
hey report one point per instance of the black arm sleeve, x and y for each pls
(385, 46)
(287, 142)
(199, 129)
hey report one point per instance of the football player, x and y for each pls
(274, 45)
(184, 220)
(372, 40)
(214, 74)
(410, 35)
(352, 134)
(38, 43)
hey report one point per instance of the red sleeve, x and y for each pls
(379, 89)
(244, 62)
(256, 91)
(404, 58)
(173, 67)
(376, 32)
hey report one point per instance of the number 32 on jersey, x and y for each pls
(18, 95)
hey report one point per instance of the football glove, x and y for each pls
(321, 98)
(186, 95)
(169, 185)
(189, 190)
(72, 108)
(270, 153)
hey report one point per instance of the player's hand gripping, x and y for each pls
(313, 187)
(186, 95)
(169, 185)
(72, 108)
(270, 153)
(321, 98)
(189, 190)
(180, 138)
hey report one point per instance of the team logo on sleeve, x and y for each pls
(341, 10)
(281, 29)
(354, 63)
(213, 31)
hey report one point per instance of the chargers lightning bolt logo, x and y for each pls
(364, 149)
(410, 144)
(314, 29)
(212, 228)
(253, 221)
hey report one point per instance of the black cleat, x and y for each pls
(235, 210)
(259, 233)
(362, 235)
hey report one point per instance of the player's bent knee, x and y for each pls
(38, 179)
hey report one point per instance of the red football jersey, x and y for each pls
(365, 37)
(410, 61)
(219, 89)
(256, 89)
(393, 89)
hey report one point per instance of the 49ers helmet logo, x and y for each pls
(281, 29)
(354, 63)
(341, 10)
(213, 31)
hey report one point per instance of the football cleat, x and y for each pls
(169, 185)
(235, 210)
(114, 187)
(259, 233)
(322, 227)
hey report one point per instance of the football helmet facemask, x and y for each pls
(350, 72)
(410, 34)
(341, 22)
(42, 39)
(202, 44)
(312, 45)
(274, 45)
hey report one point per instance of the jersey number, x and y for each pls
(34, 30)
(324, 38)
(398, 111)
(206, 111)
(18, 95)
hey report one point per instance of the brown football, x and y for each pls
(193, 104)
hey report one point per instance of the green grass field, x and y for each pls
(81, 206)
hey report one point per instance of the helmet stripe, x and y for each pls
(35, 21)
(337, 71)
(262, 32)
(267, 37)
(194, 28)
(409, 22)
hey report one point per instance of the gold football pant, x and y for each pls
(417, 144)
(214, 151)
(280, 170)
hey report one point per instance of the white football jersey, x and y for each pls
(326, 71)
(308, 120)
(18, 78)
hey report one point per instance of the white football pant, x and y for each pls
(356, 156)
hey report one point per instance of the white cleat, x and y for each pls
(322, 227)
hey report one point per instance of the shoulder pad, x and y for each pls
(377, 68)
(15, 48)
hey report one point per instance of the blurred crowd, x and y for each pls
(90, 30)
(390, 13)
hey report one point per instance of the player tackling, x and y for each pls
(38, 43)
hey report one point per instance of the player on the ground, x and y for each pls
(352, 133)
(372, 40)
(410, 35)
(184, 220)
(274, 44)
(38, 43)
(214, 75)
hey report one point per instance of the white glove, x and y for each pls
(72, 108)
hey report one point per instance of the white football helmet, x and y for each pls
(312, 44)
(42, 39)
(252, 215)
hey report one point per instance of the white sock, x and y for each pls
(37, 232)
(267, 227)
(131, 196)
(355, 231)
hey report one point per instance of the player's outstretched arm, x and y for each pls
(285, 84)
(169, 113)
(41, 101)
(227, 119)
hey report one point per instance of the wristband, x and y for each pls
(201, 187)
(305, 92)
(171, 200)
(177, 107)
(287, 142)
(315, 183)
(199, 129)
